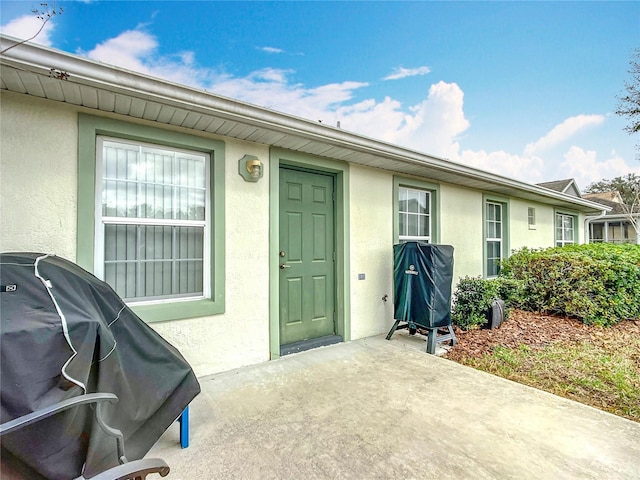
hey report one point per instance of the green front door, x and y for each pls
(306, 262)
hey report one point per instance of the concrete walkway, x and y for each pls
(377, 409)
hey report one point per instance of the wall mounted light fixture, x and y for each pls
(250, 168)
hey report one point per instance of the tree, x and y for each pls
(628, 186)
(44, 15)
(629, 102)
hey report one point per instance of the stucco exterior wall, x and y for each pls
(38, 170)
(540, 236)
(543, 235)
(371, 247)
(461, 226)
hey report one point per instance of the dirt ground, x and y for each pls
(534, 330)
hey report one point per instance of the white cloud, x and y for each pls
(27, 26)
(400, 72)
(431, 126)
(436, 122)
(584, 167)
(127, 50)
(380, 120)
(271, 88)
(273, 75)
(136, 50)
(563, 131)
(270, 49)
(526, 169)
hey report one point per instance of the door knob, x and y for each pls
(284, 265)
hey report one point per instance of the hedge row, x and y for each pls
(598, 283)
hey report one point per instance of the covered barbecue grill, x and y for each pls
(65, 333)
(423, 274)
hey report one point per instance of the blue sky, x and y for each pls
(526, 89)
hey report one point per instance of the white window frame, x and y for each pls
(101, 221)
(499, 240)
(402, 236)
(531, 218)
(559, 226)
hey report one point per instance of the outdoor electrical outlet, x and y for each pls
(361, 276)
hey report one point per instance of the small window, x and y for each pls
(531, 218)
(565, 229)
(152, 221)
(414, 215)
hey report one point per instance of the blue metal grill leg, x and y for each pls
(184, 428)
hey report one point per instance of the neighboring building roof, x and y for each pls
(568, 186)
(59, 76)
(613, 196)
(612, 200)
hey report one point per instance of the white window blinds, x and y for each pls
(152, 238)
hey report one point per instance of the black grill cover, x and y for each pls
(423, 274)
(64, 333)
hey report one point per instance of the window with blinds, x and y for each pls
(152, 240)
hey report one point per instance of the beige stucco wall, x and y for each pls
(38, 166)
(543, 235)
(540, 236)
(371, 248)
(461, 226)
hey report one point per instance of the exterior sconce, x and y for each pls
(250, 168)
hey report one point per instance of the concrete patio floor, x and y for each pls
(377, 409)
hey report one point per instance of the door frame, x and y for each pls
(340, 171)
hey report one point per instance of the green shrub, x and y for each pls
(510, 290)
(471, 300)
(598, 283)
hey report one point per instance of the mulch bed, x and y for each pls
(534, 330)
